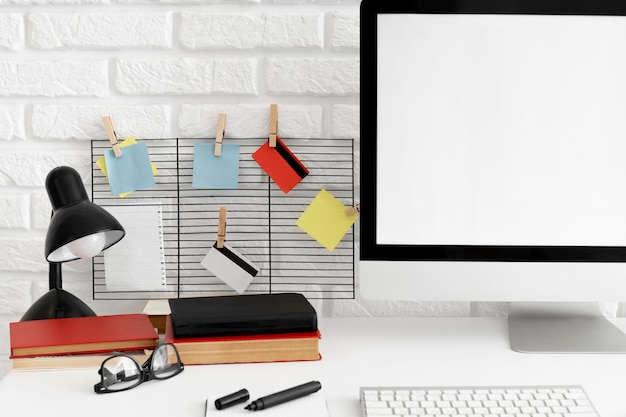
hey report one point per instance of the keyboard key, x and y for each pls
(379, 412)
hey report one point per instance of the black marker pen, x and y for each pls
(284, 396)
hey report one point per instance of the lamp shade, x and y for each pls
(78, 228)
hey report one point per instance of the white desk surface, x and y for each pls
(380, 351)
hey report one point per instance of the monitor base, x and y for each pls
(563, 328)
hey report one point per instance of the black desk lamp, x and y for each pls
(78, 229)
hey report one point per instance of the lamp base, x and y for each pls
(55, 304)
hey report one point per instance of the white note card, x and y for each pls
(231, 267)
(137, 262)
(309, 406)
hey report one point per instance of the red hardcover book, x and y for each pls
(283, 347)
(82, 335)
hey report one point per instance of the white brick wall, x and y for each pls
(94, 30)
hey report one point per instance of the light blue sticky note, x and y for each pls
(215, 172)
(130, 172)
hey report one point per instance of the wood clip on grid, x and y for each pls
(110, 131)
(219, 134)
(273, 124)
(353, 210)
(221, 227)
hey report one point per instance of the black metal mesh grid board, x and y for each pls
(261, 221)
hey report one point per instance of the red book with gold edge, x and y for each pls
(77, 335)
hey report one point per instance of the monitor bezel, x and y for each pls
(370, 249)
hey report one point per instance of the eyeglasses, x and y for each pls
(121, 372)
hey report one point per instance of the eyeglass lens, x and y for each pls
(120, 373)
(165, 362)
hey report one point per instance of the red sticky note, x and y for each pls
(281, 165)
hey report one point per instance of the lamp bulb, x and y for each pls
(88, 246)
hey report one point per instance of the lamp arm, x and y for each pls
(54, 275)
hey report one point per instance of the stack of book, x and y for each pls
(79, 341)
(243, 329)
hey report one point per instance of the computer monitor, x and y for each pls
(493, 161)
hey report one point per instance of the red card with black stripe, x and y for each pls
(281, 165)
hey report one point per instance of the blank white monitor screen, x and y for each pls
(493, 150)
(501, 130)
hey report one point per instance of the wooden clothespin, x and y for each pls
(353, 210)
(273, 124)
(110, 131)
(221, 227)
(219, 133)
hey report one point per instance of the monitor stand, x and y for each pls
(563, 328)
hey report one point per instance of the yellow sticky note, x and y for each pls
(126, 142)
(325, 220)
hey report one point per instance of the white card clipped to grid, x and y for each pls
(230, 266)
(137, 262)
(226, 263)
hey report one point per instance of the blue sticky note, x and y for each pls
(130, 172)
(215, 172)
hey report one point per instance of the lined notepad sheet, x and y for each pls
(137, 262)
(309, 406)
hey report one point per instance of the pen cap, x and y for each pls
(232, 399)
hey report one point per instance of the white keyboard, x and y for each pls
(499, 401)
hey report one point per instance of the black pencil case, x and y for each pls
(234, 315)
